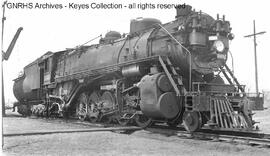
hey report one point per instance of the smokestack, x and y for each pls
(183, 10)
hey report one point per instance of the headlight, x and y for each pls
(219, 45)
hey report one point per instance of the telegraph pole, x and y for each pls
(2, 52)
(255, 54)
(5, 56)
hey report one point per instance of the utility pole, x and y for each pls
(2, 51)
(5, 56)
(255, 54)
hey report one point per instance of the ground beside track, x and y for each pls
(264, 118)
(107, 143)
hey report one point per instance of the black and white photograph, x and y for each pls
(135, 78)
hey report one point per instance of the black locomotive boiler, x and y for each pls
(168, 73)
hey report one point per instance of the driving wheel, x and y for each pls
(93, 112)
(82, 106)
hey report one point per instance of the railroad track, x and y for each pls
(228, 138)
(112, 129)
(235, 137)
(247, 138)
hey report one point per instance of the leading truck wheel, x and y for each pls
(192, 121)
(143, 121)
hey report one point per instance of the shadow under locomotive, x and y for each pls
(157, 73)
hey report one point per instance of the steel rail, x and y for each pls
(241, 137)
(157, 126)
(221, 136)
(72, 131)
(236, 132)
(229, 138)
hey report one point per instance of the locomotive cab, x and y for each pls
(46, 65)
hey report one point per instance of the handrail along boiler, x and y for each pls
(157, 73)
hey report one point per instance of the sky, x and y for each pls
(56, 29)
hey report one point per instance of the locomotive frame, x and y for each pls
(158, 73)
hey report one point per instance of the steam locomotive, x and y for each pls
(169, 73)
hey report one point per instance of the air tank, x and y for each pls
(157, 99)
